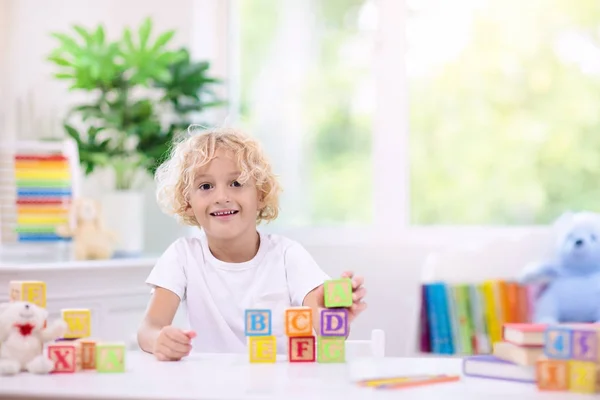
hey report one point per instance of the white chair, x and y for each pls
(367, 348)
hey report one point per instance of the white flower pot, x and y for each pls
(124, 216)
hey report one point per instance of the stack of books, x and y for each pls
(514, 357)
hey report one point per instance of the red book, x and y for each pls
(524, 334)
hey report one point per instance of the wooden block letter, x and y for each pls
(258, 322)
(298, 321)
(110, 357)
(88, 353)
(262, 349)
(583, 377)
(79, 321)
(331, 349)
(334, 322)
(552, 375)
(30, 291)
(66, 356)
(558, 343)
(338, 293)
(585, 344)
(301, 349)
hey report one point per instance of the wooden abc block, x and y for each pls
(552, 375)
(331, 349)
(30, 291)
(110, 357)
(262, 349)
(298, 321)
(258, 322)
(584, 377)
(586, 343)
(338, 293)
(79, 322)
(66, 356)
(334, 322)
(88, 353)
(558, 342)
(302, 349)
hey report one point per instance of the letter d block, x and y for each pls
(30, 291)
(110, 357)
(338, 293)
(331, 350)
(552, 375)
(334, 322)
(79, 322)
(302, 349)
(298, 321)
(66, 356)
(258, 322)
(262, 349)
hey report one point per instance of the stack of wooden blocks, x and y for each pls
(572, 359)
(76, 351)
(303, 346)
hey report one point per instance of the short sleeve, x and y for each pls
(169, 271)
(303, 273)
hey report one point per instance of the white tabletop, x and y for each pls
(231, 377)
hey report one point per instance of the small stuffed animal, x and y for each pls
(23, 333)
(571, 281)
(91, 241)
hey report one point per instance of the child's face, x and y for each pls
(223, 207)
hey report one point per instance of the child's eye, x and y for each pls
(236, 184)
(205, 186)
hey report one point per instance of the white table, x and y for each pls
(231, 377)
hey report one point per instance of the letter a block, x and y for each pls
(558, 343)
(583, 377)
(334, 322)
(79, 322)
(552, 375)
(302, 349)
(30, 291)
(262, 349)
(338, 293)
(110, 357)
(298, 321)
(331, 350)
(258, 322)
(66, 356)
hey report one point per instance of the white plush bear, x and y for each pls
(23, 332)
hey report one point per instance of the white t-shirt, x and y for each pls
(216, 293)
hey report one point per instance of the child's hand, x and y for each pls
(172, 344)
(358, 292)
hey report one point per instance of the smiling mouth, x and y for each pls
(223, 213)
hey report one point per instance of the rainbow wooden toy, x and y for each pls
(572, 359)
(302, 344)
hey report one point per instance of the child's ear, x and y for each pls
(189, 211)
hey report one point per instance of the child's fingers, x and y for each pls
(357, 281)
(358, 307)
(347, 274)
(178, 336)
(359, 294)
(190, 334)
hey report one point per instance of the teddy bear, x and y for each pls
(570, 282)
(23, 333)
(91, 241)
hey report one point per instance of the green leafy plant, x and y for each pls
(141, 94)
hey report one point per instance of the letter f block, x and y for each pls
(258, 323)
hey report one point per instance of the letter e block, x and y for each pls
(262, 349)
(88, 353)
(298, 321)
(258, 322)
(331, 350)
(79, 322)
(110, 357)
(583, 377)
(552, 375)
(338, 293)
(558, 343)
(30, 291)
(66, 356)
(586, 344)
(302, 349)
(334, 322)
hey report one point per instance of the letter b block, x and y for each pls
(302, 349)
(331, 350)
(334, 322)
(258, 322)
(262, 349)
(552, 375)
(298, 321)
(338, 293)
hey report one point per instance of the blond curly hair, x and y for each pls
(175, 177)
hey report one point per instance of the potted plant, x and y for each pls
(140, 94)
